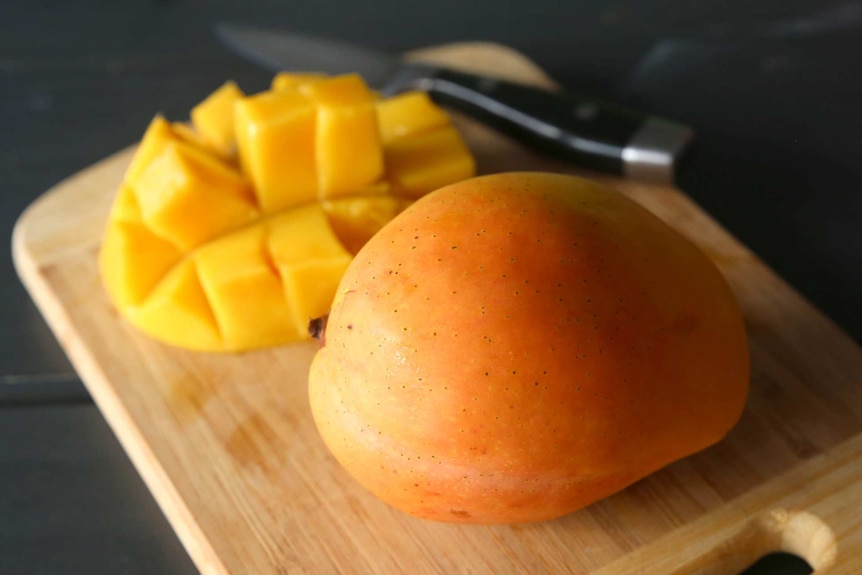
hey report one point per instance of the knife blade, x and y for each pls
(575, 127)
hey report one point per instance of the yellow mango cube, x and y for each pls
(293, 80)
(188, 197)
(310, 261)
(275, 134)
(133, 260)
(426, 161)
(408, 114)
(213, 118)
(347, 139)
(158, 134)
(125, 207)
(355, 220)
(245, 291)
(178, 312)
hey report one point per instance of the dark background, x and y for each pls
(772, 88)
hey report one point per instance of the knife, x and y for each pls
(592, 133)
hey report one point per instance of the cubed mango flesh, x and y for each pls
(213, 118)
(186, 133)
(275, 134)
(255, 287)
(408, 114)
(241, 283)
(310, 260)
(355, 220)
(428, 160)
(133, 260)
(178, 183)
(213, 251)
(158, 133)
(178, 312)
(125, 207)
(347, 143)
(293, 80)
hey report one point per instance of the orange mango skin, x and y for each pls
(517, 346)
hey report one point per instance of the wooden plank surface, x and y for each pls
(227, 445)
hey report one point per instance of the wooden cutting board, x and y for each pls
(228, 448)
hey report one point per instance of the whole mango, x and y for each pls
(514, 347)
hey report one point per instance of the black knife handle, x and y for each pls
(587, 131)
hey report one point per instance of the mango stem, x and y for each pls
(317, 329)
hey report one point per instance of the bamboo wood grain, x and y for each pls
(227, 446)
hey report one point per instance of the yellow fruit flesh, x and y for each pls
(292, 81)
(408, 114)
(133, 260)
(244, 290)
(310, 260)
(188, 134)
(426, 161)
(209, 255)
(125, 207)
(177, 312)
(347, 139)
(178, 182)
(275, 137)
(158, 134)
(355, 220)
(256, 287)
(212, 118)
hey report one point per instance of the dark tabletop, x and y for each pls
(772, 87)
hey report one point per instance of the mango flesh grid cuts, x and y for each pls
(231, 233)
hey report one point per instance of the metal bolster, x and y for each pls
(650, 155)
